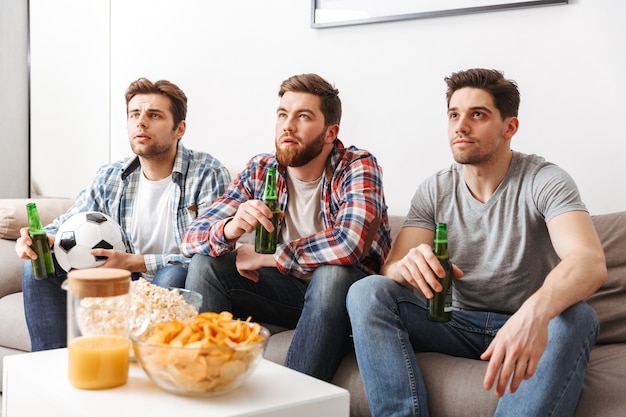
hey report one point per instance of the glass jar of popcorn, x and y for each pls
(98, 302)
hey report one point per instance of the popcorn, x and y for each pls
(149, 304)
(164, 304)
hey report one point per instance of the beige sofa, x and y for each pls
(455, 384)
(13, 332)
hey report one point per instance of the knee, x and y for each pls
(578, 320)
(196, 270)
(200, 265)
(203, 268)
(199, 261)
(330, 281)
(583, 314)
(171, 276)
(362, 295)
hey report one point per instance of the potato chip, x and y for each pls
(177, 357)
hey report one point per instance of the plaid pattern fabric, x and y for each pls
(199, 180)
(352, 198)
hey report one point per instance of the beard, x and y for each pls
(465, 158)
(297, 156)
(154, 150)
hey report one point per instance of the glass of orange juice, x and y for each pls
(98, 327)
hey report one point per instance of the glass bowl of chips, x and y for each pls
(206, 356)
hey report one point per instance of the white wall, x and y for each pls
(70, 104)
(231, 55)
(13, 99)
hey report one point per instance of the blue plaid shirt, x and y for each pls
(199, 179)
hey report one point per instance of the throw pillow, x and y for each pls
(13, 213)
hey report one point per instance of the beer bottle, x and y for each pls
(440, 306)
(265, 242)
(43, 267)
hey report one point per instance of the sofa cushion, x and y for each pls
(610, 299)
(13, 213)
(603, 389)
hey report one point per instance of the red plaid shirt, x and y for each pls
(352, 198)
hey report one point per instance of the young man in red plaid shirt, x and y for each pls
(334, 230)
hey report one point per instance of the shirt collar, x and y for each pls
(181, 163)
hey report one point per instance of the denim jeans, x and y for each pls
(389, 323)
(171, 276)
(317, 310)
(45, 305)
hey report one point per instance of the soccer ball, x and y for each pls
(83, 232)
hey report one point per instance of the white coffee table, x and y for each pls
(36, 384)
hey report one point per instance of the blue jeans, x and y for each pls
(317, 310)
(389, 323)
(45, 305)
(171, 276)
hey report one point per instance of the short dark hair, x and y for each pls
(505, 93)
(314, 84)
(177, 97)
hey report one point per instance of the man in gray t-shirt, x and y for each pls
(524, 253)
(502, 245)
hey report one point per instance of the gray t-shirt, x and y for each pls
(503, 246)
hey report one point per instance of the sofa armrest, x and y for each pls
(11, 272)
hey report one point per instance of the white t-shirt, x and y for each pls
(303, 216)
(152, 226)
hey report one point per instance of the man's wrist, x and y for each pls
(229, 237)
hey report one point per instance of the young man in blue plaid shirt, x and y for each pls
(153, 196)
